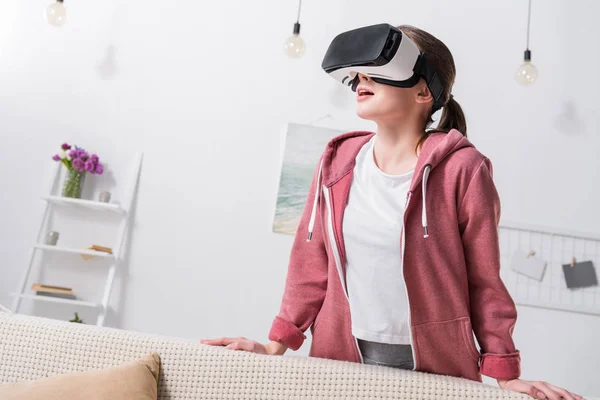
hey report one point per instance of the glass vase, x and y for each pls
(73, 185)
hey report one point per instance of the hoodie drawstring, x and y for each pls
(313, 214)
(424, 185)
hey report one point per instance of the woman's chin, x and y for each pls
(366, 114)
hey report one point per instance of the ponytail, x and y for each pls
(453, 117)
(440, 59)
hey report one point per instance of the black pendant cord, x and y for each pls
(527, 51)
(300, 9)
(297, 24)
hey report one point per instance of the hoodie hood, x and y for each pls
(340, 156)
(436, 149)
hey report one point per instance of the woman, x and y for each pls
(396, 258)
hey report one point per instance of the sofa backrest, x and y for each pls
(32, 348)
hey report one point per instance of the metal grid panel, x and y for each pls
(557, 248)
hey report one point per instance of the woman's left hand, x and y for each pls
(538, 390)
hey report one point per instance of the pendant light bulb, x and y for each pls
(294, 46)
(527, 72)
(56, 14)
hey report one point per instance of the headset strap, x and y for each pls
(424, 69)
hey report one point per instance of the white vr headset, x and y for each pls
(384, 54)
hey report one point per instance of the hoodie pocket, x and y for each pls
(332, 334)
(469, 340)
(447, 348)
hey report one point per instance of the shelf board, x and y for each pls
(59, 300)
(93, 205)
(74, 251)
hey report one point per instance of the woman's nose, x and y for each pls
(359, 78)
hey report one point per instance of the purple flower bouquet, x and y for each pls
(78, 163)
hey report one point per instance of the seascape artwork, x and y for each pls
(303, 148)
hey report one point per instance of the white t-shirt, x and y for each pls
(372, 225)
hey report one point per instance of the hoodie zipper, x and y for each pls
(410, 336)
(336, 256)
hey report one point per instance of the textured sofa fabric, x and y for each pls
(31, 348)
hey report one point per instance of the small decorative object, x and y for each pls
(294, 45)
(52, 238)
(56, 14)
(77, 320)
(528, 265)
(527, 72)
(104, 197)
(78, 163)
(73, 185)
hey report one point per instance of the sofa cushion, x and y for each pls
(136, 380)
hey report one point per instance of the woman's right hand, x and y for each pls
(240, 343)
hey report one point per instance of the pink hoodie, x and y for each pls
(451, 264)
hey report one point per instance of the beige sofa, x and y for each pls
(32, 348)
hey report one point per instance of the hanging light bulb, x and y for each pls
(294, 45)
(56, 13)
(527, 72)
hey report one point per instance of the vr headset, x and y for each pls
(384, 54)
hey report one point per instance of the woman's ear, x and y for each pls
(423, 94)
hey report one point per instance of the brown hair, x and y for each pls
(440, 58)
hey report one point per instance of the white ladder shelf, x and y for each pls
(115, 258)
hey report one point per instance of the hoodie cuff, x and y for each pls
(501, 366)
(287, 333)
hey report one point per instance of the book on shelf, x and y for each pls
(97, 248)
(101, 249)
(37, 287)
(57, 295)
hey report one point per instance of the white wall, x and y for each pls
(204, 90)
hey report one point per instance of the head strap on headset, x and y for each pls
(434, 83)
